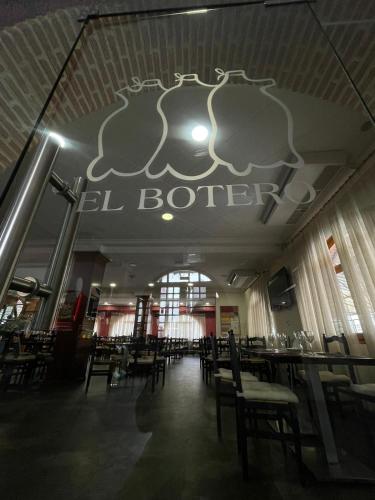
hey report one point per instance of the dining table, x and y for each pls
(340, 465)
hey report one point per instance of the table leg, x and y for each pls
(318, 399)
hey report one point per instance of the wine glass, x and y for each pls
(283, 340)
(272, 341)
(309, 337)
(297, 340)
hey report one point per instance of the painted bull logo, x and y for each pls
(257, 125)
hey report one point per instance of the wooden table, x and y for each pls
(339, 467)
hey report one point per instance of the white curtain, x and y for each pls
(259, 316)
(187, 326)
(121, 324)
(323, 306)
(353, 230)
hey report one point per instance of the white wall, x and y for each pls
(232, 298)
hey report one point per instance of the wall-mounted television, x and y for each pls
(280, 290)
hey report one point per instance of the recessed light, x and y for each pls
(167, 216)
(181, 303)
(58, 138)
(131, 303)
(106, 304)
(95, 284)
(151, 284)
(207, 303)
(112, 285)
(156, 303)
(198, 11)
(190, 284)
(199, 133)
(228, 284)
(216, 295)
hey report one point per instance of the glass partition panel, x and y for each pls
(209, 138)
(350, 27)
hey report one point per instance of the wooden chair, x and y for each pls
(224, 389)
(263, 401)
(100, 365)
(256, 364)
(332, 382)
(364, 397)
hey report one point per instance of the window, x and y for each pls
(184, 277)
(352, 315)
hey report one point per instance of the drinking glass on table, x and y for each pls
(272, 341)
(283, 340)
(309, 338)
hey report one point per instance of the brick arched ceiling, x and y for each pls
(284, 43)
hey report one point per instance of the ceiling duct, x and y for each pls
(241, 278)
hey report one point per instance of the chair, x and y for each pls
(256, 364)
(145, 360)
(263, 401)
(224, 390)
(100, 364)
(333, 382)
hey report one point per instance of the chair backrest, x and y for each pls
(256, 342)
(235, 362)
(5, 339)
(342, 341)
(214, 353)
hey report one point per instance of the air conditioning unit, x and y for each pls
(242, 278)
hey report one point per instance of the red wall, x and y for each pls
(105, 313)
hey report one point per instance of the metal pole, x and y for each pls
(27, 286)
(22, 208)
(60, 261)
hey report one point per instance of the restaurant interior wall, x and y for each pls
(232, 298)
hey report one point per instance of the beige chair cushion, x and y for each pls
(365, 389)
(226, 375)
(328, 377)
(270, 393)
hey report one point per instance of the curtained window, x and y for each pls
(121, 324)
(260, 319)
(187, 326)
(335, 268)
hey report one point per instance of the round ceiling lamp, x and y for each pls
(199, 133)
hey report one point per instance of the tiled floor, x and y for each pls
(133, 445)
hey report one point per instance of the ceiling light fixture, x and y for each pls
(131, 303)
(95, 284)
(151, 284)
(167, 216)
(199, 133)
(112, 285)
(207, 303)
(197, 11)
(190, 284)
(58, 138)
(217, 295)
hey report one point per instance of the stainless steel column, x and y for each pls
(22, 208)
(60, 263)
